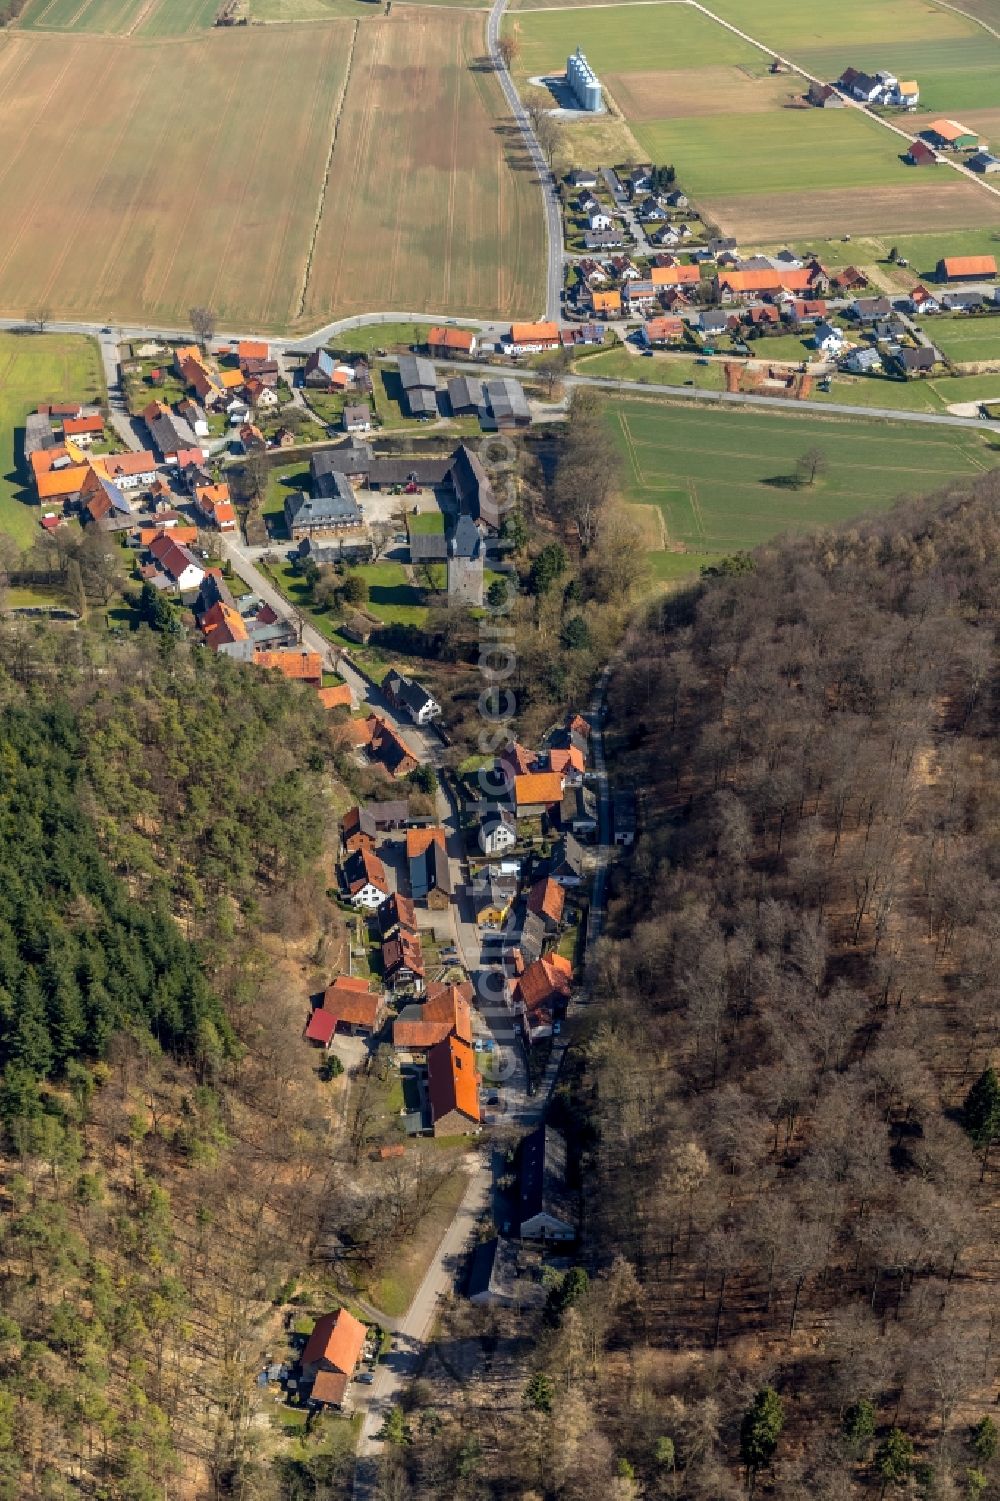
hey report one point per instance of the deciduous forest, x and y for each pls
(784, 1111)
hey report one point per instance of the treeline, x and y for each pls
(783, 1109)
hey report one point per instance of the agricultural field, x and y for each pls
(723, 479)
(36, 368)
(436, 207)
(758, 163)
(120, 17)
(116, 203)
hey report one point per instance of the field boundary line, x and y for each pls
(696, 511)
(627, 435)
(278, 255)
(325, 184)
(148, 10)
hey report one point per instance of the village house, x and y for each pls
(547, 902)
(84, 430)
(659, 332)
(445, 1012)
(429, 872)
(494, 888)
(129, 471)
(546, 1209)
(365, 879)
(566, 861)
(531, 338)
(317, 372)
(497, 832)
(824, 96)
(331, 1355)
(907, 362)
(357, 418)
(828, 338)
(920, 154)
(403, 961)
(410, 696)
(176, 564)
(297, 666)
(578, 811)
(640, 296)
(861, 361)
(868, 310)
(540, 993)
(535, 793)
(353, 1004)
(382, 743)
(605, 304)
(963, 302)
(215, 506)
(325, 515)
(921, 301)
(453, 1087)
(525, 941)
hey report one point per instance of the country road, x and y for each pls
(553, 211)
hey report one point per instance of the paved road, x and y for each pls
(553, 210)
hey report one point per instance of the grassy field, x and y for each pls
(434, 206)
(120, 17)
(36, 368)
(116, 204)
(721, 480)
(965, 340)
(761, 167)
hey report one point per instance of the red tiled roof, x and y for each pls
(547, 899)
(337, 1340)
(453, 1080)
(538, 787)
(322, 1025)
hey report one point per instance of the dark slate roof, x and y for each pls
(466, 541)
(475, 494)
(543, 1176)
(567, 856)
(422, 471)
(507, 400)
(335, 505)
(354, 457)
(415, 371)
(37, 433)
(465, 392)
(421, 401)
(482, 1268)
(428, 547)
(532, 940)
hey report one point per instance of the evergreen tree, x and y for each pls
(760, 1430)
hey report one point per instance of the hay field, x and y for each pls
(720, 476)
(897, 212)
(431, 206)
(686, 94)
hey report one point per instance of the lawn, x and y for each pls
(721, 479)
(655, 370)
(394, 1291)
(281, 481)
(965, 340)
(391, 596)
(36, 368)
(425, 524)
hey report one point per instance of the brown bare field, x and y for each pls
(282, 176)
(432, 206)
(682, 93)
(823, 213)
(145, 178)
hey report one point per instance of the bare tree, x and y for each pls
(203, 321)
(509, 48)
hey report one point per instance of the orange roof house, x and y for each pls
(566, 758)
(444, 1013)
(61, 484)
(298, 666)
(528, 335)
(452, 340)
(674, 276)
(351, 1001)
(540, 989)
(791, 280)
(453, 1087)
(547, 899)
(252, 349)
(336, 697)
(537, 789)
(331, 1355)
(606, 302)
(115, 466)
(214, 503)
(419, 841)
(231, 379)
(222, 625)
(81, 427)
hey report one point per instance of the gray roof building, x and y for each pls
(476, 496)
(508, 404)
(38, 433)
(546, 1210)
(415, 371)
(334, 508)
(465, 394)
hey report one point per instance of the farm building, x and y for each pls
(966, 267)
(531, 338)
(950, 135)
(445, 343)
(465, 564)
(419, 386)
(921, 155)
(584, 82)
(984, 162)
